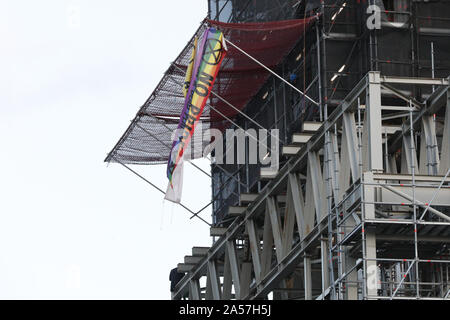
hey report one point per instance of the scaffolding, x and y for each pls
(360, 207)
(341, 219)
(332, 57)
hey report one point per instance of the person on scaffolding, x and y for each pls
(174, 278)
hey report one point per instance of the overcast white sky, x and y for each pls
(72, 76)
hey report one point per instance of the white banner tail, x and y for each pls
(173, 192)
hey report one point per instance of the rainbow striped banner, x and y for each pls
(208, 59)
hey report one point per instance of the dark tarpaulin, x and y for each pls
(148, 138)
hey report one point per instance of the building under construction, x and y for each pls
(360, 205)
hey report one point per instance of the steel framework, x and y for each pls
(360, 208)
(329, 61)
(361, 211)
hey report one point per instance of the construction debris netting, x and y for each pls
(148, 138)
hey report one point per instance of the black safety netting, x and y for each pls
(148, 139)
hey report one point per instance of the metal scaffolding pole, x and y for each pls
(370, 195)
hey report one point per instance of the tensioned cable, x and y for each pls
(272, 72)
(435, 194)
(162, 122)
(166, 146)
(230, 105)
(159, 189)
(193, 164)
(232, 122)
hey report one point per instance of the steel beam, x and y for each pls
(409, 80)
(255, 248)
(194, 289)
(307, 277)
(445, 148)
(214, 280)
(301, 162)
(276, 227)
(374, 143)
(234, 267)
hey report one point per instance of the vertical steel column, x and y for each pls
(247, 160)
(324, 112)
(208, 289)
(429, 153)
(194, 289)
(363, 236)
(432, 62)
(227, 278)
(445, 148)
(234, 266)
(274, 97)
(324, 265)
(370, 247)
(254, 248)
(351, 285)
(413, 170)
(246, 273)
(319, 71)
(286, 131)
(373, 110)
(308, 277)
(214, 280)
(267, 243)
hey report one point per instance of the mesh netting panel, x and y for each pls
(148, 138)
(240, 78)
